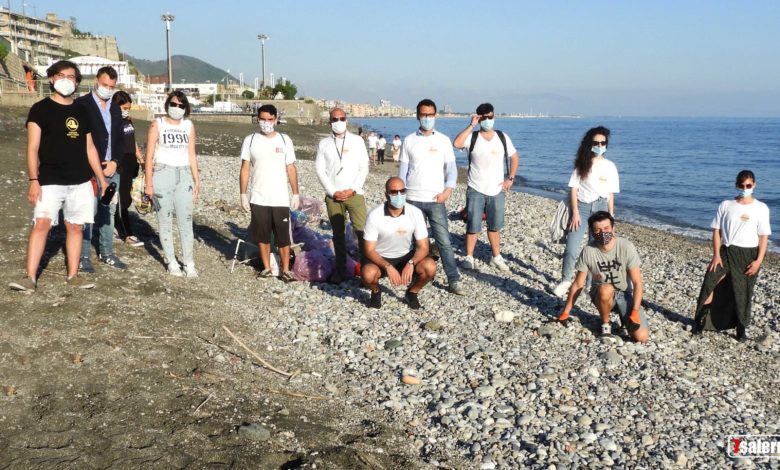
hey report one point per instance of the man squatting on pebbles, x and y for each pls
(393, 236)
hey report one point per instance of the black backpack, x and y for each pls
(502, 138)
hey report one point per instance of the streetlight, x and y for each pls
(168, 18)
(262, 38)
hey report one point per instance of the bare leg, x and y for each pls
(709, 299)
(284, 254)
(265, 254)
(370, 274)
(36, 245)
(425, 271)
(471, 242)
(494, 237)
(73, 236)
(605, 299)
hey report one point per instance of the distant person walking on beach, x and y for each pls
(267, 165)
(396, 147)
(424, 155)
(593, 184)
(108, 135)
(381, 143)
(61, 160)
(173, 179)
(493, 164)
(740, 235)
(372, 141)
(342, 167)
(131, 162)
(396, 241)
(614, 265)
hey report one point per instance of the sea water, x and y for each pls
(673, 171)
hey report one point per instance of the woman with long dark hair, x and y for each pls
(131, 162)
(740, 235)
(172, 179)
(593, 184)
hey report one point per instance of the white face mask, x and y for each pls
(104, 93)
(266, 127)
(64, 87)
(125, 114)
(339, 127)
(174, 112)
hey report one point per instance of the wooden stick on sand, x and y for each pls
(256, 356)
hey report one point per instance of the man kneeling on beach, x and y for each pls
(389, 231)
(614, 266)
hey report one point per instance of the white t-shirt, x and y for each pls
(173, 143)
(381, 143)
(268, 176)
(486, 172)
(372, 141)
(426, 156)
(342, 163)
(742, 224)
(394, 236)
(602, 181)
(396, 144)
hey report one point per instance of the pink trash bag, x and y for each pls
(311, 207)
(314, 266)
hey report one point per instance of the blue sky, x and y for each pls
(659, 58)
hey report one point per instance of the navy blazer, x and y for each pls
(99, 135)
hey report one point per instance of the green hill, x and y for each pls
(187, 68)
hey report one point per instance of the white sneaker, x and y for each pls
(562, 289)
(498, 262)
(468, 263)
(190, 271)
(606, 329)
(174, 269)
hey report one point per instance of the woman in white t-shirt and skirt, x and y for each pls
(172, 179)
(740, 235)
(593, 184)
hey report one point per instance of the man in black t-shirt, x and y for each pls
(61, 159)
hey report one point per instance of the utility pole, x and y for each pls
(262, 38)
(168, 18)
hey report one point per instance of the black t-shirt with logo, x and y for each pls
(63, 149)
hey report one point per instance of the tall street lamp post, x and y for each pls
(262, 38)
(168, 18)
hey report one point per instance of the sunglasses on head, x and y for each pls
(395, 192)
(178, 105)
(600, 143)
(745, 185)
(336, 119)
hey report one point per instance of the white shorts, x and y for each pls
(77, 202)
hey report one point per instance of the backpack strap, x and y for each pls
(501, 137)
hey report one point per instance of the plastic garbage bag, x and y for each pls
(314, 266)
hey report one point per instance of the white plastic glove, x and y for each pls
(245, 202)
(295, 203)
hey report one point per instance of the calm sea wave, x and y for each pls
(673, 171)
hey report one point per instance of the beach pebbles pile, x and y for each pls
(484, 379)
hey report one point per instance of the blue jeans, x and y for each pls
(104, 225)
(478, 204)
(173, 186)
(436, 213)
(574, 239)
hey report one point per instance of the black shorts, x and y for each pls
(398, 263)
(267, 220)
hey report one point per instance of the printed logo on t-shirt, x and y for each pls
(402, 231)
(433, 149)
(603, 178)
(608, 272)
(73, 127)
(279, 149)
(744, 217)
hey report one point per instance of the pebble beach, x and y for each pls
(501, 388)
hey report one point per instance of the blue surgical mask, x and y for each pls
(745, 192)
(487, 124)
(598, 150)
(427, 123)
(397, 200)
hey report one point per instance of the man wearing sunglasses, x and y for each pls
(108, 134)
(493, 163)
(427, 168)
(396, 246)
(342, 167)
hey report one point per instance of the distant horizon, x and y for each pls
(604, 57)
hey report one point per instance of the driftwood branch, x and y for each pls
(296, 394)
(262, 361)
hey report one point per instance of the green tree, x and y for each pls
(288, 89)
(3, 50)
(210, 99)
(248, 94)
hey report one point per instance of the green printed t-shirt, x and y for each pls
(610, 267)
